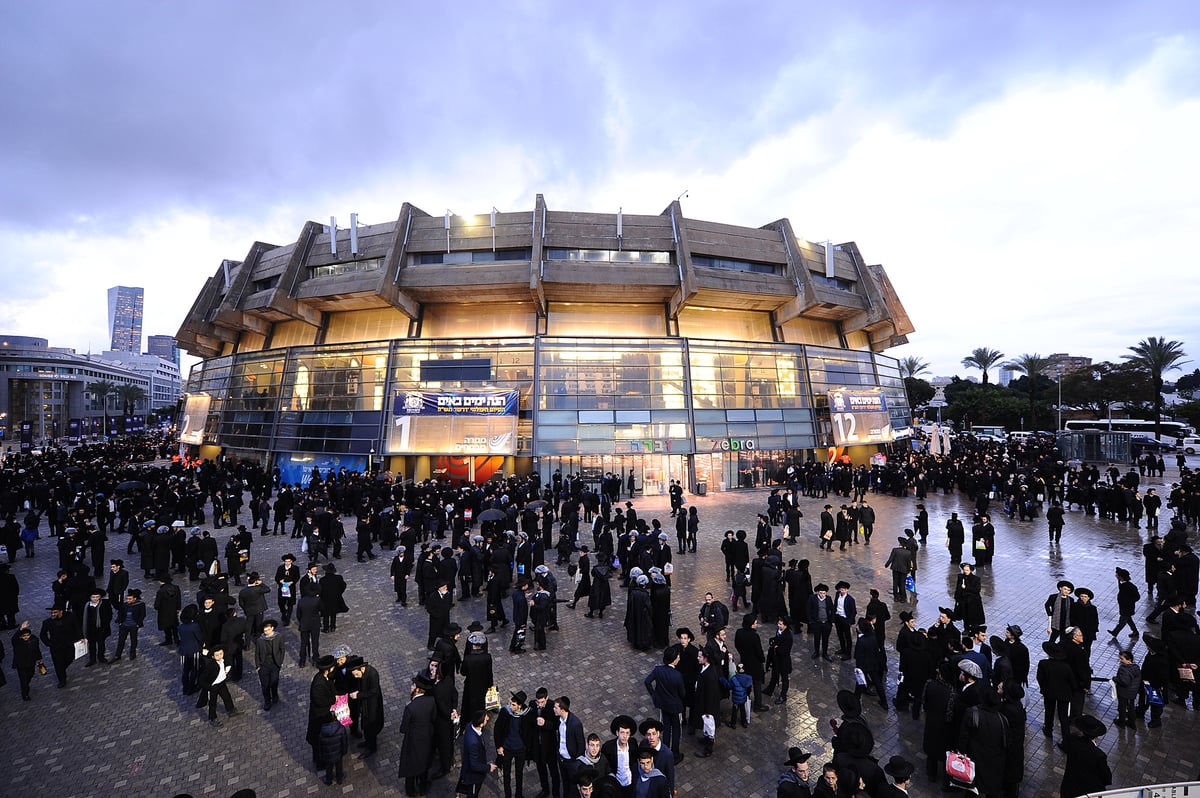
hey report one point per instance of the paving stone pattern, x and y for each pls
(127, 729)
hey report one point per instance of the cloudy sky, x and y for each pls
(1028, 173)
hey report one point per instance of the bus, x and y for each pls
(1171, 430)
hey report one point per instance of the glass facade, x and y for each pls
(728, 413)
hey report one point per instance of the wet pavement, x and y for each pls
(127, 729)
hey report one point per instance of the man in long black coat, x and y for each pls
(707, 707)
(639, 621)
(60, 632)
(417, 723)
(749, 648)
(1058, 684)
(321, 696)
(370, 702)
(438, 603)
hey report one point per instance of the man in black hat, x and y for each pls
(97, 626)
(286, 577)
(1058, 610)
(1057, 683)
(131, 615)
(370, 700)
(793, 782)
(1087, 770)
(1018, 654)
(513, 737)
(321, 697)
(620, 753)
(416, 751)
(900, 770)
(651, 730)
(214, 683)
(437, 604)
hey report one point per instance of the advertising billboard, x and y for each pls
(454, 423)
(195, 416)
(860, 417)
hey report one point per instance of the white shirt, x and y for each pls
(562, 738)
(624, 774)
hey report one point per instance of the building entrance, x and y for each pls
(652, 473)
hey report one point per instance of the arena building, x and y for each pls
(458, 346)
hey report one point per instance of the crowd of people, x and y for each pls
(492, 541)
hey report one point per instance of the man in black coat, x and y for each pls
(333, 601)
(1018, 654)
(749, 648)
(370, 700)
(779, 659)
(707, 707)
(445, 695)
(820, 620)
(321, 697)
(287, 576)
(60, 632)
(118, 582)
(666, 688)
(97, 626)
(417, 726)
(253, 601)
(437, 604)
(1057, 683)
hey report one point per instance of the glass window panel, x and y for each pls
(595, 432)
(557, 417)
(732, 325)
(551, 433)
(710, 431)
(669, 416)
(292, 333)
(366, 325)
(709, 416)
(595, 417)
(811, 331)
(739, 415)
(502, 320)
(569, 318)
(633, 417)
(769, 415)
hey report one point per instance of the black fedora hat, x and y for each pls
(899, 768)
(623, 722)
(796, 756)
(849, 703)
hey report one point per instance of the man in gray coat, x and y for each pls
(900, 561)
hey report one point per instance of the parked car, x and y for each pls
(1190, 445)
(1140, 444)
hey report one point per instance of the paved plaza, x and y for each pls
(127, 729)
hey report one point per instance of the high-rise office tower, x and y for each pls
(164, 346)
(125, 318)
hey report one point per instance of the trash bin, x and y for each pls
(701, 488)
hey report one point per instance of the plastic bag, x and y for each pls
(341, 710)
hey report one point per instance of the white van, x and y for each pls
(1189, 445)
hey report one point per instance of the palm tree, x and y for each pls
(1032, 367)
(102, 390)
(1156, 356)
(983, 359)
(130, 395)
(912, 366)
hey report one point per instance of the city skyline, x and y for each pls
(1024, 174)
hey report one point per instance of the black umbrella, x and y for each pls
(536, 504)
(493, 515)
(132, 484)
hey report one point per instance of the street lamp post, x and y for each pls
(1058, 371)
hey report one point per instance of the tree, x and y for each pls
(130, 395)
(1155, 357)
(983, 359)
(919, 392)
(912, 366)
(1187, 385)
(102, 390)
(1031, 366)
(1098, 388)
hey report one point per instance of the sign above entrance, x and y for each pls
(734, 445)
(860, 417)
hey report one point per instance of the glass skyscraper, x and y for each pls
(125, 318)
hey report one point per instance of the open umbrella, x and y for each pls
(493, 514)
(132, 484)
(536, 504)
